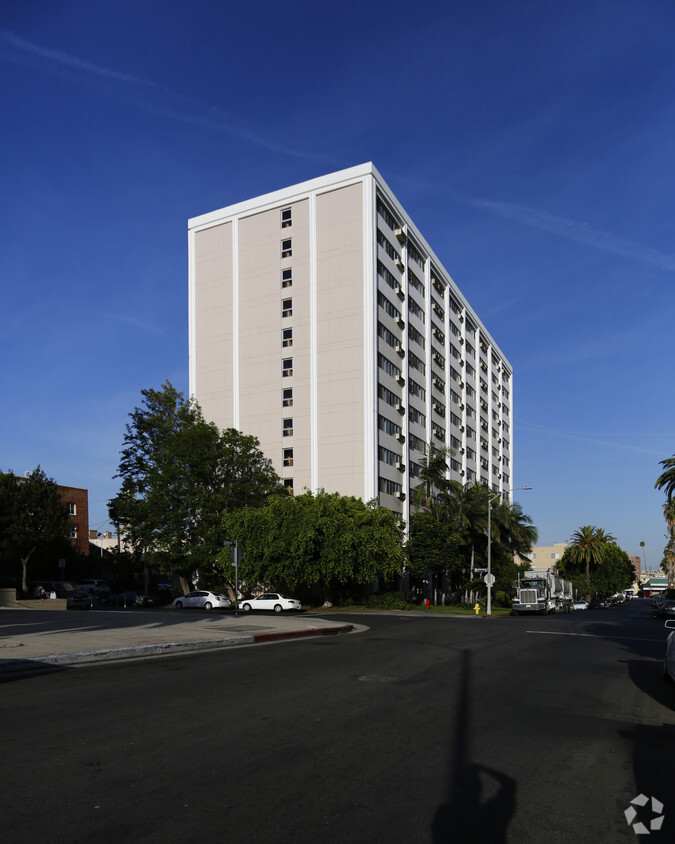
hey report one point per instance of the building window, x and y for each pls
(417, 364)
(286, 218)
(416, 389)
(72, 509)
(387, 456)
(287, 367)
(389, 367)
(386, 306)
(287, 248)
(72, 532)
(389, 487)
(288, 457)
(287, 397)
(287, 277)
(287, 308)
(388, 426)
(287, 337)
(287, 427)
(288, 485)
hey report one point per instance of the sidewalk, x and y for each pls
(35, 639)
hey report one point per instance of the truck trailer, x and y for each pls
(541, 592)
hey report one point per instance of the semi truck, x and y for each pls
(542, 592)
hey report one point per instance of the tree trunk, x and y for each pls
(24, 569)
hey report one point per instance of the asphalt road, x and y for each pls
(428, 729)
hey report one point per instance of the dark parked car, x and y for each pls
(667, 609)
(597, 604)
(75, 598)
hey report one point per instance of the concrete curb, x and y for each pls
(10, 667)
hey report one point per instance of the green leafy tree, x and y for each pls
(666, 480)
(614, 575)
(307, 540)
(32, 515)
(433, 548)
(179, 475)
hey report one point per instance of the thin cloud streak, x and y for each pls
(177, 106)
(576, 232)
(589, 438)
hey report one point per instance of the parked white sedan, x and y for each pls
(580, 605)
(270, 601)
(203, 600)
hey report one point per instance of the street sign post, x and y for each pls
(235, 554)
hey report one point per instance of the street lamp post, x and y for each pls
(489, 579)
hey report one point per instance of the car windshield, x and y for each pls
(70, 587)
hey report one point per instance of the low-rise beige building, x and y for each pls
(544, 556)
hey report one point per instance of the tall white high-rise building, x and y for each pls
(322, 322)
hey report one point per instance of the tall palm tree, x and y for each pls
(587, 547)
(516, 531)
(605, 538)
(433, 478)
(666, 480)
(669, 551)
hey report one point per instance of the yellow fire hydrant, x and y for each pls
(476, 607)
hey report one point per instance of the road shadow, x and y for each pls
(481, 801)
(24, 669)
(645, 648)
(653, 751)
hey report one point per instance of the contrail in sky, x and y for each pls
(163, 101)
(577, 232)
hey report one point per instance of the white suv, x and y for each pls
(95, 587)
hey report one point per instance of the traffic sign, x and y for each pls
(489, 579)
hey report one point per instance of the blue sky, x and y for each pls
(532, 144)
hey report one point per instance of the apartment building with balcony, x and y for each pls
(322, 322)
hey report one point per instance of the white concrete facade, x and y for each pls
(322, 322)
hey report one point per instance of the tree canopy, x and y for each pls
(32, 514)
(666, 480)
(457, 544)
(323, 539)
(603, 568)
(179, 475)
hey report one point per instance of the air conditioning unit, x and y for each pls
(461, 451)
(461, 471)
(398, 348)
(461, 318)
(499, 440)
(400, 322)
(400, 436)
(400, 379)
(399, 292)
(400, 235)
(400, 466)
(400, 495)
(461, 383)
(400, 407)
(461, 407)
(399, 263)
(461, 428)
(461, 341)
